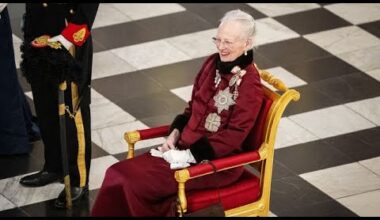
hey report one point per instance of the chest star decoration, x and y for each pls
(223, 100)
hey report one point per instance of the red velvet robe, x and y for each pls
(145, 185)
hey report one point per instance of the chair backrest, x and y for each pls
(265, 128)
(256, 136)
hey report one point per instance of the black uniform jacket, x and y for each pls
(52, 19)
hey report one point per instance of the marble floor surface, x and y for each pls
(327, 156)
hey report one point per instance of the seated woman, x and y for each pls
(225, 103)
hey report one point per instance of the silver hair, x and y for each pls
(245, 19)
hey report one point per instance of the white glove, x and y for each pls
(67, 44)
(155, 153)
(170, 141)
(178, 156)
(2, 6)
(174, 166)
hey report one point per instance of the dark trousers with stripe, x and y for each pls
(78, 132)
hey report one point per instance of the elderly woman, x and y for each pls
(225, 102)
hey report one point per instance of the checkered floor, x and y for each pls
(327, 157)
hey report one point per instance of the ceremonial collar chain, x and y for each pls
(224, 98)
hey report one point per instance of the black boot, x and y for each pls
(77, 193)
(41, 178)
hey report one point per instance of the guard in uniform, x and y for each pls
(58, 47)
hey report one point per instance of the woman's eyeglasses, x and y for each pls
(226, 43)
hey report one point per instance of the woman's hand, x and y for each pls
(170, 142)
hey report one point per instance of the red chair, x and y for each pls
(250, 195)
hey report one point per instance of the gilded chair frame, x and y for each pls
(281, 97)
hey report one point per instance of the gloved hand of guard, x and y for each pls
(67, 44)
(178, 156)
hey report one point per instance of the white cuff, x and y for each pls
(66, 43)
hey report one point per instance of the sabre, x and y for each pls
(62, 125)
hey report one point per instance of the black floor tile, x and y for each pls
(324, 209)
(311, 21)
(320, 69)
(372, 27)
(92, 197)
(371, 137)
(311, 156)
(176, 75)
(360, 145)
(154, 104)
(97, 151)
(121, 156)
(262, 62)
(349, 88)
(120, 35)
(46, 208)
(15, 212)
(292, 51)
(159, 120)
(280, 170)
(126, 86)
(293, 196)
(98, 47)
(174, 24)
(311, 99)
(19, 164)
(212, 13)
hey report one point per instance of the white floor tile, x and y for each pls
(195, 45)
(365, 204)
(286, 77)
(105, 113)
(365, 59)
(97, 98)
(342, 181)
(137, 11)
(331, 121)
(368, 108)
(5, 203)
(16, 48)
(373, 164)
(183, 92)
(276, 9)
(342, 40)
(98, 170)
(107, 15)
(29, 94)
(356, 13)
(107, 64)
(374, 74)
(290, 133)
(270, 30)
(150, 54)
(111, 139)
(20, 195)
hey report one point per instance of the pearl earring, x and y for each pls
(245, 53)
